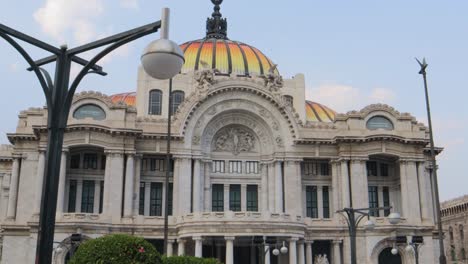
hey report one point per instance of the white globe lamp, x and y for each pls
(409, 248)
(284, 249)
(394, 218)
(162, 59)
(394, 251)
(369, 225)
(276, 252)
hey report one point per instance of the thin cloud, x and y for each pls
(129, 4)
(344, 98)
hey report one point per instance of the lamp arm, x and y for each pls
(360, 218)
(44, 85)
(33, 41)
(95, 59)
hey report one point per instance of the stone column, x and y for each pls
(129, 181)
(79, 195)
(309, 252)
(335, 190)
(39, 182)
(292, 250)
(97, 194)
(207, 183)
(136, 185)
(229, 250)
(278, 188)
(264, 187)
(181, 247)
(115, 186)
(198, 247)
(426, 193)
(175, 187)
(345, 184)
(271, 186)
(412, 197)
(359, 183)
(197, 187)
(107, 177)
(292, 187)
(267, 255)
(243, 197)
(320, 201)
(147, 198)
(226, 197)
(300, 252)
(13, 191)
(184, 181)
(405, 210)
(62, 181)
(336, 252)
(170, 247)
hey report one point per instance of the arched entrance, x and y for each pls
(386, 257)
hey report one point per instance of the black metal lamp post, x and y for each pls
(433, 169)
(354, 217)
(59, 96)
(414, 245)
(264, 243)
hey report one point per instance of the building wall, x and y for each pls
(454, 221)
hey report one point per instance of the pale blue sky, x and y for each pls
(352, 53)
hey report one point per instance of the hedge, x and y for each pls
(189, 260)
(116, 249)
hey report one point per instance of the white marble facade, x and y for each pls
(245, 162)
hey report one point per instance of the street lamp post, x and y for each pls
(414, 245)
(264, 248)
(354, 217)
(59, 95)
(433, 169)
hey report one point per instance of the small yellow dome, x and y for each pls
(316, 112)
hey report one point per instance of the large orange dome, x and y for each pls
(227, 56)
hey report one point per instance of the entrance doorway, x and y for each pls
(386, 257)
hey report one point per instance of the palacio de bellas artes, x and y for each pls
(257, 173)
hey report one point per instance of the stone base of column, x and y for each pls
(127, 220)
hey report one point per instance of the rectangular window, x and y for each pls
(103, 162)
(371, 168)
(90, 161)
(373, 200)
(169, 199)
(251, 167)
(72, 196)
(311, 201)
(75, 161)
(101, 196)
(326, 202)
(87, 197)
(252, 198)
(157, 164)
(217, 198)
(235, 197)
(156, 199)
(235, 166)
(141, 203)
(324, 169)
(384, 169)
(308, 168)
(217, 166)
(386, 200)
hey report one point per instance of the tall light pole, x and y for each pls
(59, 95)
(433, 169)
(354, 217)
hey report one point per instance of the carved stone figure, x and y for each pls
(205, 77)
(273, 81)
(321, 259)
(235, 140)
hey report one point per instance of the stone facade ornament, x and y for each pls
(279, 141)
(205, 77)
(235, 140)
(273, 81)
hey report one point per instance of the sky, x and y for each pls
(353, 53)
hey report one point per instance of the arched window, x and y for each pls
(155, 102)
(288, 100)
(451, 234)
(379, 122)
(89, 111)
(462, 235)
(177, 99)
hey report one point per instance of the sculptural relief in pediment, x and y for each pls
(234, 140)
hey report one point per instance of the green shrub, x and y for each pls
(116, 249)
(189, 260)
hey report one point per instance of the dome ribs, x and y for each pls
(197, 60)
(246, 63)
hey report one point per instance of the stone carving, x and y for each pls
(321, 259)
(235, 140)
(273, 81)
(275, 126)
(279, 141)
(212, 111)
(196, 140)
(205, 77)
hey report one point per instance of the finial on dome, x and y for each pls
(216, 26)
